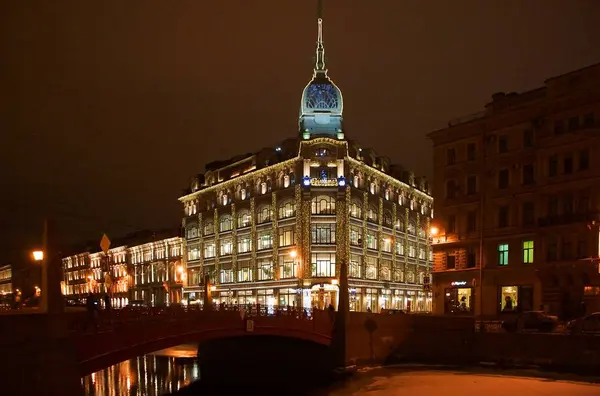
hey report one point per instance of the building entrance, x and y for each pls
(324, 294)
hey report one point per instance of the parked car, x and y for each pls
(531, 321)
(585, 324)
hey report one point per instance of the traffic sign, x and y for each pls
(105, 243)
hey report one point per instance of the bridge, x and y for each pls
(63, 348)
(123, 335)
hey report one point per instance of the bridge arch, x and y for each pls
(96, 351)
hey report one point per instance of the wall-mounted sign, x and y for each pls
(459, 283)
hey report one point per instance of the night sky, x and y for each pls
(107, 108)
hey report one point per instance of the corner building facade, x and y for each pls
(518, 201)
(273, 227)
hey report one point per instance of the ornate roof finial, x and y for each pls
(320, 64)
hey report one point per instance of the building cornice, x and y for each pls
(237, 179)
(390, 179)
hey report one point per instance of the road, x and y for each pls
(419, 382)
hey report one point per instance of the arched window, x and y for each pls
(225, 224)
(412, 227)
(192, 232)
(243, 194)
(356, 210)
(400, 226)
(292, 179)
(355, 181)
(263, 188)
(323, 205)
(387, 219)
(243, 219)
(209, 228)
(287, 210)
(401, 199)
(387, 194)
(286, 181)
(423, 230)
(224, 200)
(372, 214)
(263, 215)
(372, 188)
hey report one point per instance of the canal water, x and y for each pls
(176, 372)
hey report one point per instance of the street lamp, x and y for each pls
(293, 254)
(434, 230)
(38, 255)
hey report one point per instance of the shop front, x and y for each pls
(289, 297)
(245, 297)
(265, 297)
(324, 294)
(515, 298)
(459, 298)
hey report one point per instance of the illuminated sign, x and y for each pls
(459, 283)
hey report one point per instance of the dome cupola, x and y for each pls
(322, 104)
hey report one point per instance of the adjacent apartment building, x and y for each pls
(517, 193)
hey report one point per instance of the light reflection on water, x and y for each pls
(148, 375)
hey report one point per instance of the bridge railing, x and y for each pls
(105, 320)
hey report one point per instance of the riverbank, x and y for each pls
(418, 379)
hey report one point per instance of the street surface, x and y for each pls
(400, 381)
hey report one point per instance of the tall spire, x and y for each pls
(320, 63)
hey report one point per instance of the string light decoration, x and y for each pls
(298, 236)
(253, 238)
(363, 269)
(249, 178)
(234, 245)
(275, 236)
(347, 217)
(340, 233)
(201, 244)
(217, 246)
(395, 278)
(403, 187)
(379, 236)
(306, 239)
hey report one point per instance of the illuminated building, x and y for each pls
(517, 189)
(145, 266)
(155, 275)
(6, 290)
(272, 227)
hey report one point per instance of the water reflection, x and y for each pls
(149, 375)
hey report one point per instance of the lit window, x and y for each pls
(243, 194)
(528, 252)
(226, 247)
(287, 210)
(372, 188)
(503, 254)
(243, 219)
(286, 181)
(509, 298)
(263, 188)
(265, 240)
(224, 199)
